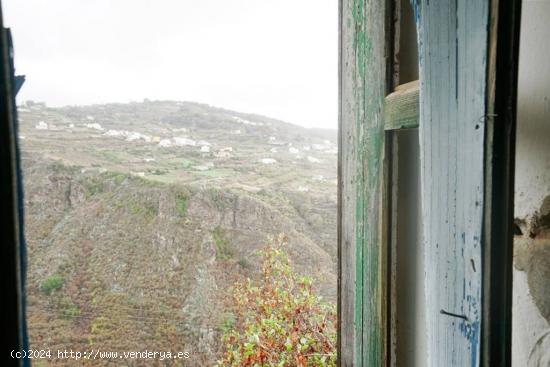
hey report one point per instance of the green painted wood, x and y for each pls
(362, 91)
(401, 108)
(349, 305)
(453, 76)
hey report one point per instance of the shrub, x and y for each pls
(52, 283)
(117, 177)
(158, 172)
(278, 320)
(217, 197)
(94, 185)
(228, 323)
(146, 208)
(224, 250)
(181, 204)
(67, 309)
(244, 263)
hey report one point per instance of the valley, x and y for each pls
(140, 216)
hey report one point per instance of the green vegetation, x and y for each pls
(244, 263)
(99, 325)
(112, 156)
(278, 320)
(228, 323)
(58, 167)
(117, 177)
(68, 309)
(224, 250)
(217, 197)
(215, 173)
(52, 283)
(94, 185)
(132, 225)
(181, 204)
(146, 209)
(179, 162)
(158, 172)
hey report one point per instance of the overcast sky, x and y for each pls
(273, 57)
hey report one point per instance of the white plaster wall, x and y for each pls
(533, 152)
(532, 170)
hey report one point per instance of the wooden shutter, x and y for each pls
(466, 112)
(362, 313)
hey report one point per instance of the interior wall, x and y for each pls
(531, 297)
(411, 334)
(410, 278)
(408, 48)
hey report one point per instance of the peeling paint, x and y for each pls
(452, 94)
(367, 77)
(532, 255)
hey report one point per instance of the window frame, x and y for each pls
(366, 325)
(498, 190)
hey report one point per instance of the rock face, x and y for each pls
(126, 261)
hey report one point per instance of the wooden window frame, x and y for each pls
(367, 119)
(362, 292)
(13, 247)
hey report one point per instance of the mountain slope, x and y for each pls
(133, 247)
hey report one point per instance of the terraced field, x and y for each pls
(140, 216)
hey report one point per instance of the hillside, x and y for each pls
(140, 216)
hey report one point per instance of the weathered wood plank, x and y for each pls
(349, 330)
(401, 107)
(350, 311)
(391, 183)
(385, 251)
(362, 88)
(453, 51)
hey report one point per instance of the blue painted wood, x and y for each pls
(453, 53)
